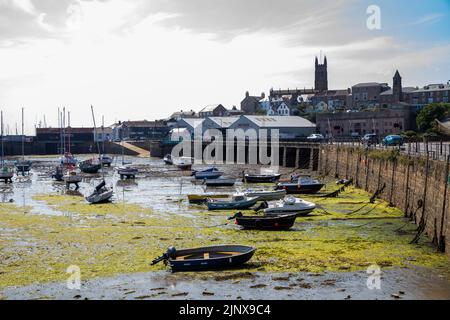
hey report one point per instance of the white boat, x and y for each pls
(266, 195)
(184, 163)
(100, 196)
(72, 177)
(127, 172)
(290, 205)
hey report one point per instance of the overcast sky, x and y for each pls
(144, 59)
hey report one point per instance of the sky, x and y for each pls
(145, 59)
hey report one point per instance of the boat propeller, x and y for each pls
(171, 251)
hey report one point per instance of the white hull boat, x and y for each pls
(290, 205)
(101, 196)
(268, 195)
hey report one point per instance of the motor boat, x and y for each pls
(267, 222)
(290, 205)
(266, 195)
(89, 166)
(201, 198)
(212, 173)
(106, 160)
(261, 178)
(221, 182)
(23, 166)
(303, 185)
(184, 163)
(237, 201)
(127, 172)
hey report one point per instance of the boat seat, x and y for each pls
(206, 255)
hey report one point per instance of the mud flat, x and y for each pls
(46, 229)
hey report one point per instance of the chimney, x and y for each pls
(263, 95)
(247, 94)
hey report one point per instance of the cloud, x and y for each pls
(429, 19)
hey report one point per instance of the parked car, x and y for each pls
(392, 140)
(316, 137)
(370, 139)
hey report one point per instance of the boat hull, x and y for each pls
(230, 205)
(196, 198)
(267, 196)
(261, 178)
(90, 168)
(279, 211)
(102, 197)
(220, 182)
(293, 188)
(220, 257)
(284, 222)
(208, 175)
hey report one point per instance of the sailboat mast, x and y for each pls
(3, 155)
(68, 127)
(98, 144)
(64, 130)
(23, 138)
(103, 134)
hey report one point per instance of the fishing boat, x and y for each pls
(5, 173)
(290, 205)
(89, 166)
(202, 198)
(105, 160)
(237, 201)
(304, 185)
(221, 182)
(168, 159)
(207, 258)
(266, 195)
(279, 222)
(101, 193)
(261, 178)
(23, 166)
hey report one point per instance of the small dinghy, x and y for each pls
(268, 195)
(221, 182)
(290, 205)
(212, 173)
(304, 185)
(238, 201)
(184, 163)
(127, 172)
(168, 159)
(6, 174)
(23, 166)
(207, 258)
(261, 178)
(90, 167)
(101, 194)
(201, 198)
(281, 222)
(106, 160)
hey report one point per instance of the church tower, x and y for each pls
(321, 75)
(397, 90)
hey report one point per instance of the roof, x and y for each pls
(211, 108)
(192, 122)
(143, 124)
(68, 129)
(369, 84)
(280, 121)
(433, 87)
(391, 92)
(183, 113)
(340, 92)
(224, 122)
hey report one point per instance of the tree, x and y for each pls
(426, 118)
(260, 112)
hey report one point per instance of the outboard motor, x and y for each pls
(170, 253)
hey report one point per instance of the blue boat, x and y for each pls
(210, 173)
(237, 202)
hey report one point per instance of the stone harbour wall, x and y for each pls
(417, 185)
